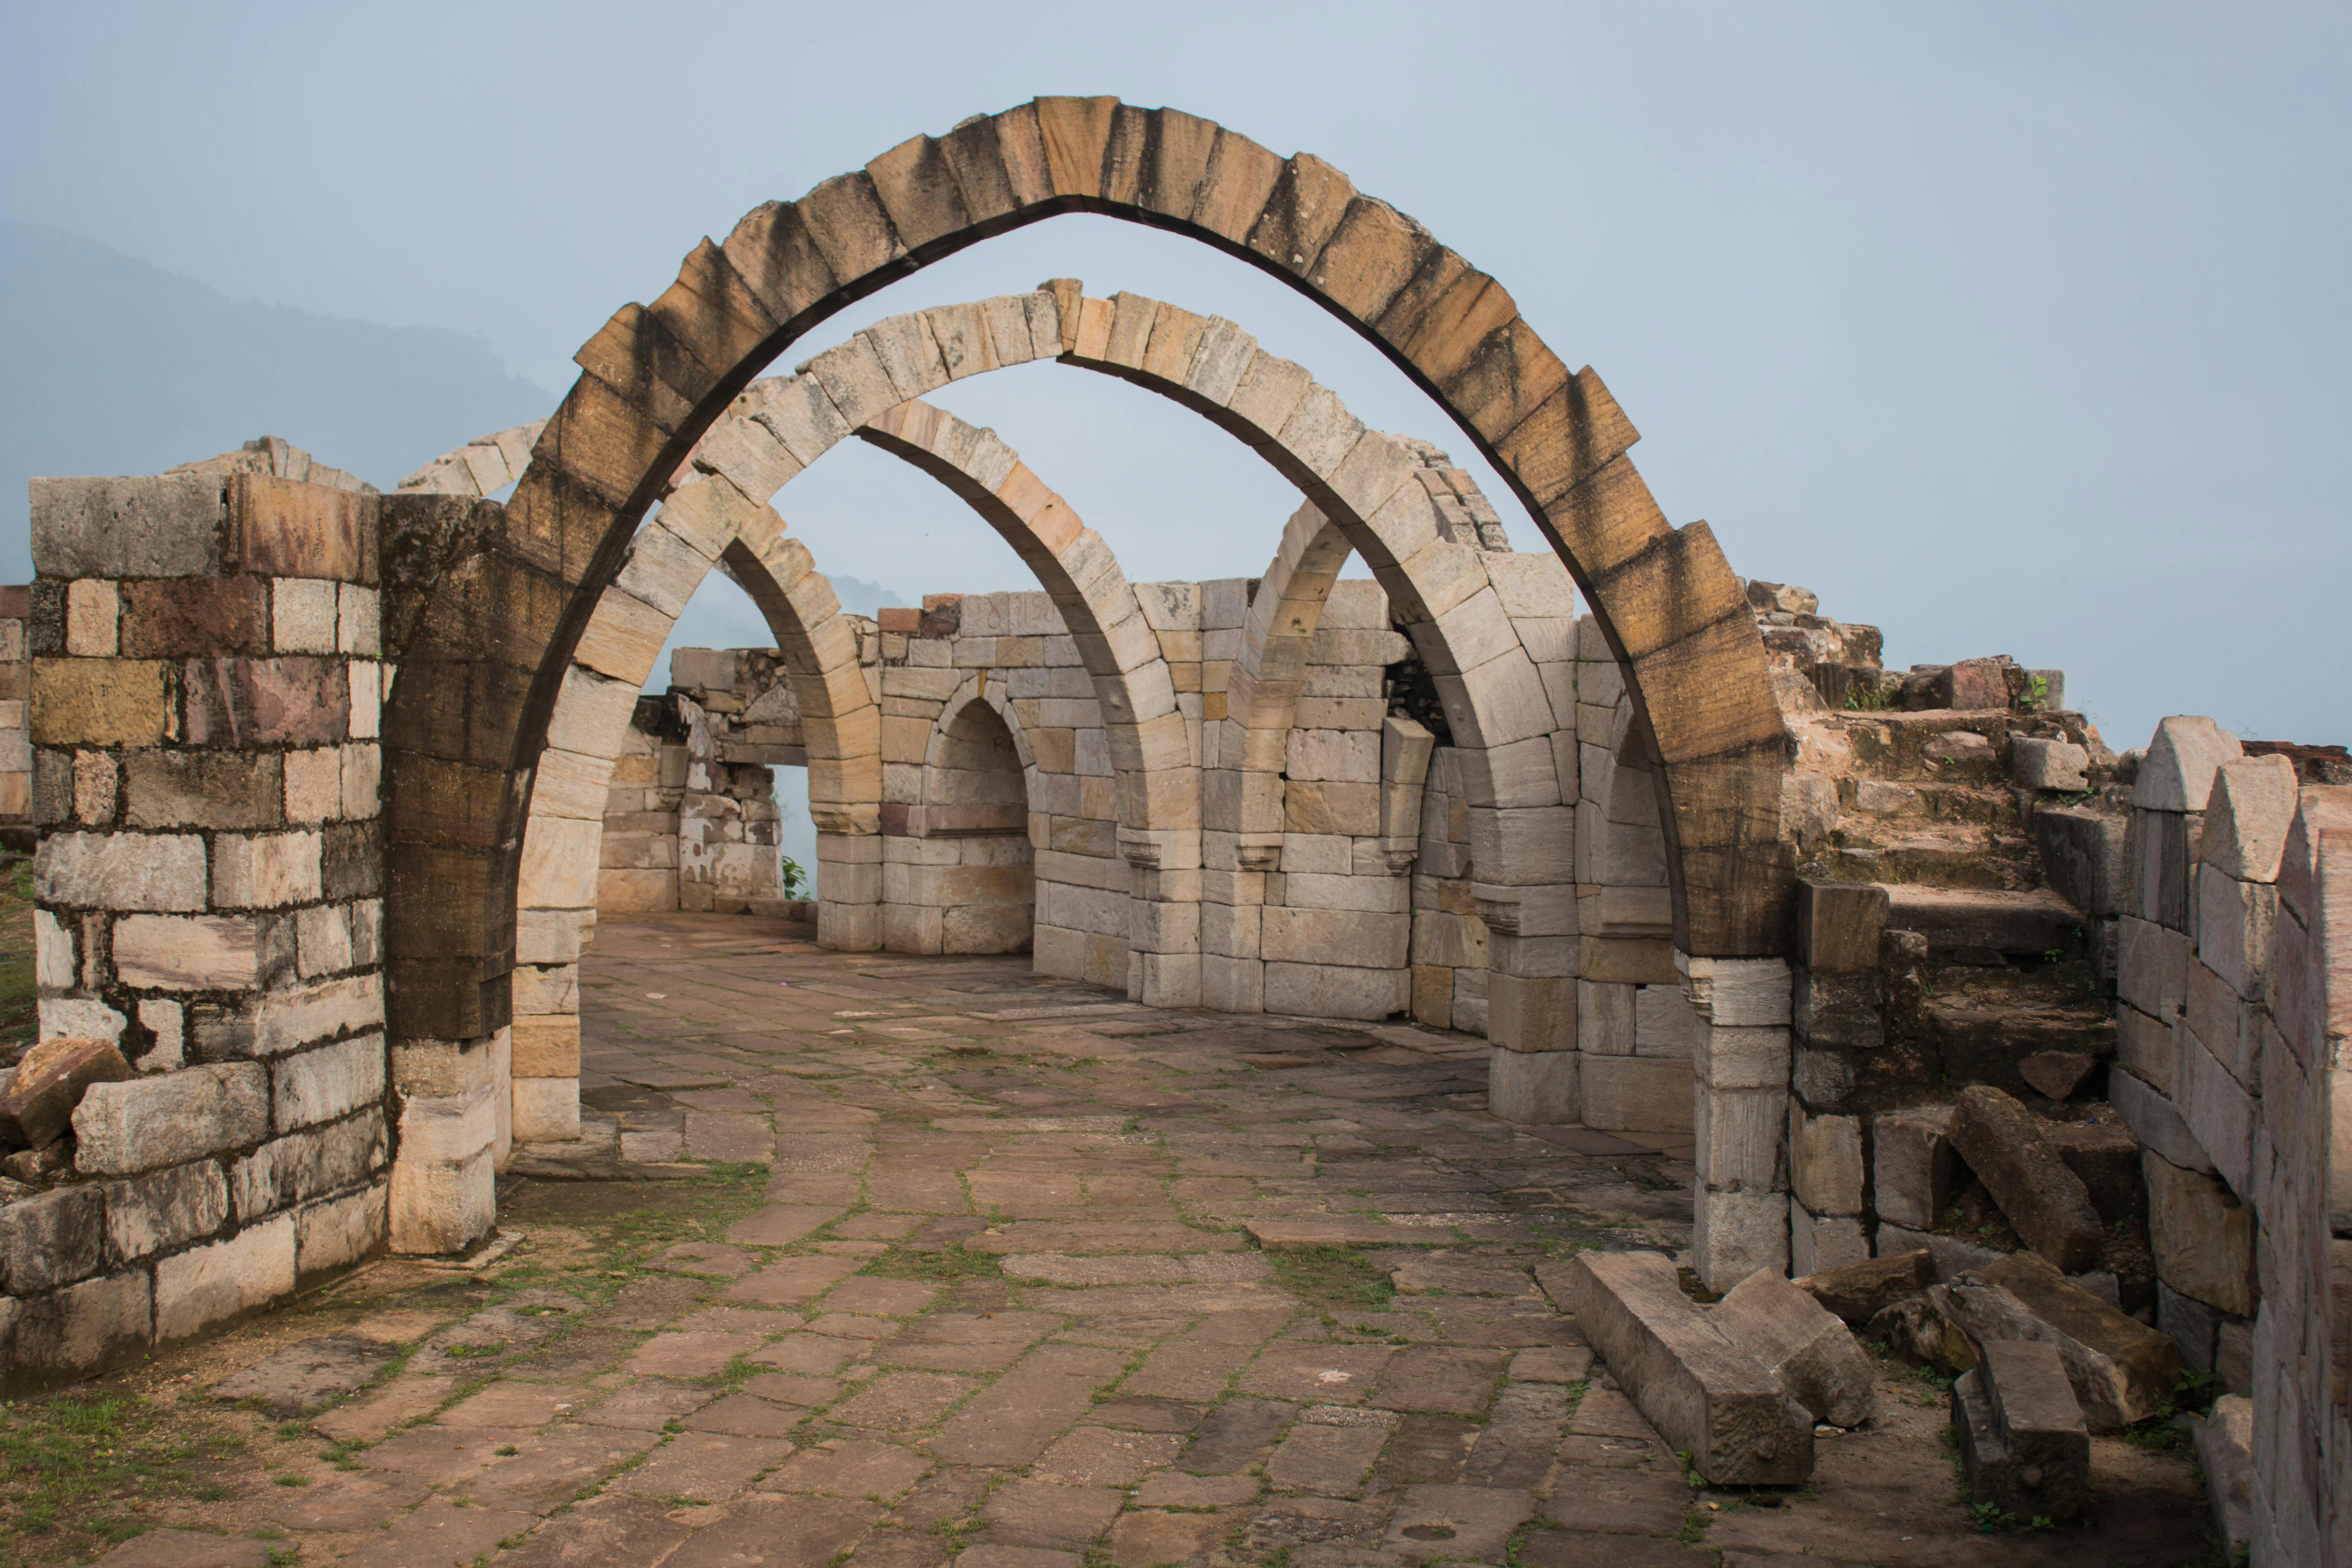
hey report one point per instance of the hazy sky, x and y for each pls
(2012, 329)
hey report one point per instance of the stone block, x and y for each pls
(330, 1081)
(155, 1214)
(2202, 1236)
(2218, 1112)
(2082, 854)
(1825, 1169)
(2237, 925)
(2155, 1121)
(160, 872)
(1539, 1088)
(38, 1101)
(266, 870)
(161, 525)
(546, 1109)
(1915, 1171)
(1663, 1025)
(2225, 1452)
(335, 1233)
(308, 1165)
(1734, 1234)
(99, 702)
(145, 1123)
(1742, 1138)
(1823, 1241)
(2049, 1206)
(188, 953)
(1530, 1012)
(202, 789)
(2023, 1445)
(293, 700)
(2121, 1371)
(213, 1284)
(1604, 1019)
(1739, 991)
(2049, 765)
(1857, 1292)
(2176, 774)
(1636, 1094)
(1741, 1059)
(84, 1327)
(53, 1238)
(438, 1207)
(1703, 1393)
(1792, 1336)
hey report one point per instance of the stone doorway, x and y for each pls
(971, 879)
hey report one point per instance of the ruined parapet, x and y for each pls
(276, 457)
(204, 706)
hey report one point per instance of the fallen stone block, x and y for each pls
(1800, 1341)
(2021, 1438)
(39, 1103)
(2057, 1074)
(1857, 1292)
(2003, 1143)
(2106, 1154)
(2121, 1371)
(306, 1377)
(2042, 763)
(1703, 1393)
(1919, 1331)
(2225, 1452)
(1915, 1172)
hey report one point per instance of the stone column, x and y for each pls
(204, 705)
(1740, 1061)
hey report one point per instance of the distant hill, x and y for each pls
(109, 365)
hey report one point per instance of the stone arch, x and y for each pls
(657, 377)
(952, 894)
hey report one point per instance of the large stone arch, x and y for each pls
(657, 377)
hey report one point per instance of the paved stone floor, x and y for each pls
(920, 1262)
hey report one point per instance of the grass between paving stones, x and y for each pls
(80, 1468)
(1332, 1277)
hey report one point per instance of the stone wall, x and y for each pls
(15, 740)
(204, 709)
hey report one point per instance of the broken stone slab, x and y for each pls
(1803, 1344)
(1856, 1292)
(2023, 1445)
(2225, 1452)
(2043, 764)
(1915, 1172)
(2102, 1151)
(1919, 1331)
(1703, 1393)
(2044, 1200)
(306, 1377)
(39, 1103)
(2121, 1371)
(2057, 1074)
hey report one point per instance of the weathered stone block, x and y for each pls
(53, 1238)
(1857, 1292)
(2121, 1371)
(157, 872)
(159, 525)
(2042, 763)
(1734, 1234)
(1538, 1088)
(2202, 1236)
(337, 1232)
(2023, 1444)
(49, 1082)
(1803, 1345)
(1742, 1138)
(268, 870)
(1825, 1169)
(171, 1118)
(1636, 1094)
(2003, 1143)
(1915, 1171)
(2082, 854)
(2177, 772)
(202, 789)
(1700, 1390)
(188, 953)
(154, 1213)
(321, 1085)
(2246, 820)
(212, 1284)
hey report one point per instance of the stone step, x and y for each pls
(1984, 920)
(1938, 855)
(1890, 802)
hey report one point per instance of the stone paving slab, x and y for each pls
(1008, 1272)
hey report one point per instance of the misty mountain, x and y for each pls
(114, 366)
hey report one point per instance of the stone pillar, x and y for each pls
(204, 704)
(1524, 892)
(1740, 1062)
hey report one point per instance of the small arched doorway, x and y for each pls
(967, 882)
